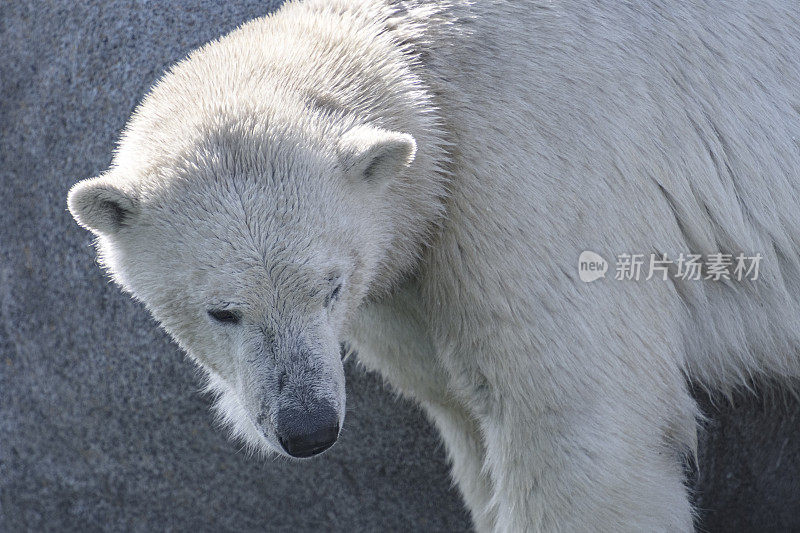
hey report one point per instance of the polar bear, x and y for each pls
(418, 179)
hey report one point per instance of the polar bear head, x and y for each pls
(264, 188)
(252, 249)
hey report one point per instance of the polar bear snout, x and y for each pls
(308, 430)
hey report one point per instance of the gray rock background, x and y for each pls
(101, 423)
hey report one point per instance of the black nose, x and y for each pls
(307, 432)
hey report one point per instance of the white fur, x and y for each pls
(507, 137)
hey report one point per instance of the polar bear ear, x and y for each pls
(101, 206)
(375, 155)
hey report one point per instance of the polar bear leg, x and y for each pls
(597, 467)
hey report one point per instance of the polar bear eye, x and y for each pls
(224, 316)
